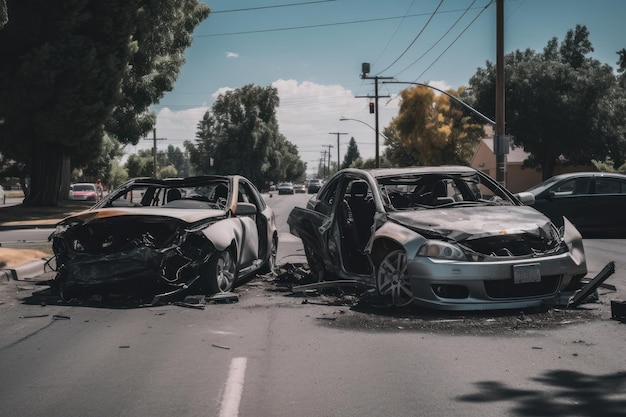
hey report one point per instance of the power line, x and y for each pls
(321, 25)
(438, 40)
(414, 39)
(246, 9)
(455, 39)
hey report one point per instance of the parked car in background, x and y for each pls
(314, 185)
(595, 202)
(285, 188)
(3, 196)
(299, 188)
(202, 233)
(84, 192)
(447, 238)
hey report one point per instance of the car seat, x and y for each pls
(363, 210)
(173, 194)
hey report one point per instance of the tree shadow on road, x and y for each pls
(564, 393)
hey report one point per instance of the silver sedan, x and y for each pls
(441, 237)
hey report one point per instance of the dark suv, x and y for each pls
(314, 185)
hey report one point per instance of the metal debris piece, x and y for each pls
(223, 297)
(189, 305)
(34, 316)
(220, 346)
(581, 295)
(328, 284)
(618, 310)
(195, 299)
(60, 317)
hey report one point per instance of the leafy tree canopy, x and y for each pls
(559, 104)
(71, 71)
(240, 135)
(431, 130)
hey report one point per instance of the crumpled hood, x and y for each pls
(460, 223)
(186, 215)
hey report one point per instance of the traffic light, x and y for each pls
(372, 109)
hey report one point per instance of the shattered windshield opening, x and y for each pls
(208, 194)
(426, 191)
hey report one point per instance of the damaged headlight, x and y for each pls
(441, 250)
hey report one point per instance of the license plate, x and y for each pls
(526, 273)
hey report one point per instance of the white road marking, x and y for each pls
(234, 388)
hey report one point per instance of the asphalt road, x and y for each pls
(277, 354)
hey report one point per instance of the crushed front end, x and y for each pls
(155, 254)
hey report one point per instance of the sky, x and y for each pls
(311, 51)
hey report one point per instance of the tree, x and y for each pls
(398, 153)
(560, 104)
(239, 135)
(432, 130)
(177, 158)
(100, 166)
(352, 154)
(67, 71)
(117, 176)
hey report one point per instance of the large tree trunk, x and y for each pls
(49, 163)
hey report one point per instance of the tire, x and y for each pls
(221, 272)
(66, 291)
(270, 264)
(391, 279)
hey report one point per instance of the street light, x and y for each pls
(343, 119)
(500, 140)
(473, 110)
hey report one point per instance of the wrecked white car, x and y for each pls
(447, 238)
(169, 235)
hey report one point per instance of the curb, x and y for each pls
(21, 272)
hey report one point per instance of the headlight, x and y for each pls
(441, 250)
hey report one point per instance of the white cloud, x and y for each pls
(308, 116)
(232, 55)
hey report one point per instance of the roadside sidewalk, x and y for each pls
(25, 271)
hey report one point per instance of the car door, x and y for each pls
(608, 204)
(314, 224)
(264, 218)
(570, 198)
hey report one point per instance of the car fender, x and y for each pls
(410, 240)
(240, 230)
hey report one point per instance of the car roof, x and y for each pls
(386, 172)
(567, 175)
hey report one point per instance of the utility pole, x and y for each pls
(338, 134)
(323, 163)
(154, 149)
(328, 153)
(500, 140)
(365, 69)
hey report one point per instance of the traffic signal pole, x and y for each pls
(365, 69)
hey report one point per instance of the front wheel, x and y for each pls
(222, 272)
(391, 278)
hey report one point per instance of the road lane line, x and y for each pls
(234, 388)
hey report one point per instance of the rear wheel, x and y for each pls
(222, 272)
(391, 278)
(270, 264)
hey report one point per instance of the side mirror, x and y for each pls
(528, 199)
